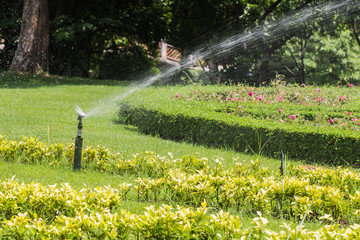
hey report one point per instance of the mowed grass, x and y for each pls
(46, 110)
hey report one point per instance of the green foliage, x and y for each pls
(105, 37)
(49, 202)
(103, 34)
(333, 59)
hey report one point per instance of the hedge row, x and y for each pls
(157, 113)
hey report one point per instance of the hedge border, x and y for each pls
(309, 146)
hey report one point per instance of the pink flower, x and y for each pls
(281, 121)
(355, 120)
(319, 99)
(351, 85)
(239, 107)
(177, 95)
(280, 110)
(343, 124)
(261, 97)
(229, 99)
(250, 94)
(341, 97)
(331, 120)
(349, 113)
(235, 99)
(293, 117)
(318, 90)
(280, 99)
(195, 92)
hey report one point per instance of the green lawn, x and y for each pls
(46, 110)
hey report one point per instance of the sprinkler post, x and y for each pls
(282, 163)
(78, 143)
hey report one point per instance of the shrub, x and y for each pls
(211, 122)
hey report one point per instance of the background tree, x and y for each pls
(118, 39)
(95, 36)
(328, 46)
(112, 39)
(201, 24)
(205, 24)
(32, 50)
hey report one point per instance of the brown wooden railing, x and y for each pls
(169, 53)
(173, 53)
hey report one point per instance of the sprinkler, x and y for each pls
(78, 140)
(282, 163)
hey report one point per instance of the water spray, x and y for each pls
(78, 140)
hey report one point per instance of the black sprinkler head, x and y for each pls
(78, 140)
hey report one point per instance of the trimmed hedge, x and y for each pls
(157, 112)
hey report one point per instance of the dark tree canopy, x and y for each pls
(119, 39)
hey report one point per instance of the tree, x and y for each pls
(323, 37)
(32, 51)
(100, 32)
(206, 24)
(296, 48)
(333, 59)
(201, 24)
(112, 39)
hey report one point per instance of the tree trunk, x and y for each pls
(264, 71)
(355, 31)
(213, 71)
(32, 51)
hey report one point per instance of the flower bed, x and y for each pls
(308, 123)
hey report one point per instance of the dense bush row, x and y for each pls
(36, 211)
(215, 122)
(289, 197)
(73, 216)
(49, 202)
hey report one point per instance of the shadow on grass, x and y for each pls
(14, 80)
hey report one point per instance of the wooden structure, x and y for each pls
(169, 54)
